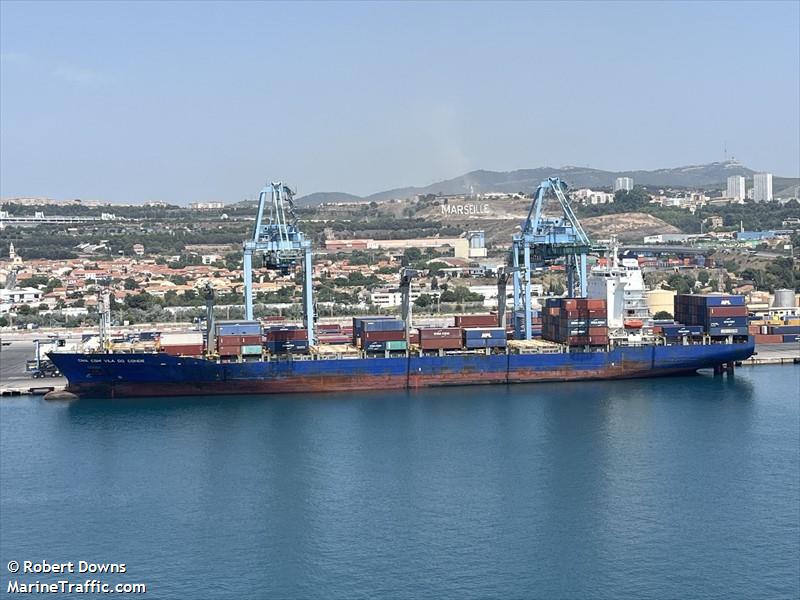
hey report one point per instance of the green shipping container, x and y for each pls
(396, 345)
(250, 350)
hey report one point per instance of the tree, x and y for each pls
(422, 301)
(703, 277)
(663, 315)
(141, 301)
(130, 284)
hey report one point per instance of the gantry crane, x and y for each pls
(282, 245)
(545, 239)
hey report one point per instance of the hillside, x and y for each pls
(711, 175)
(626, 226)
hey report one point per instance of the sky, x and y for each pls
(183, 102)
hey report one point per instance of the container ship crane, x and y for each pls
(545, 239)
(282, 245)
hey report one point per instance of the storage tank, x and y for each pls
(784, 299)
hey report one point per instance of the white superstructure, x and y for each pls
(621, 284)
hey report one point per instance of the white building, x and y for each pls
(736, 187)
(762, 187)
(392, 298)
(206, 205)
(587, 196)
(623, 183)
(18, 296)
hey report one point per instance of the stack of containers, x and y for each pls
(238, 338)
(286, 339)
(718, 314)
(379, 335)
(355, 330)
(484, 337)
(575, 321)
(331, 333)
(182, 344)
(440, 338)
(536, 324)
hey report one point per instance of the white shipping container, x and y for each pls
(181, 339)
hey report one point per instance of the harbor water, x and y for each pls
(684, 487)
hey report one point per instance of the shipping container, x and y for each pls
(768, 339)
(790, 338)
(476, 320)
(440, 332)
(181, 339)
(784, 329)
(382, 336)
(384, 346)
(727, 322)
(238, 328)
(238, 340)
(250, 350)
(681, 330)
(724, 331)
(444, 343)
(183, 349)
(727, 311)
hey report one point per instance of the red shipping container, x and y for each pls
(329, 328)
(768, 339)
(598, 340)
(239, 340)
(596, 304)
(187, 349)
(598, 331)
(383, 336)
(284, 335)
(427, 333)
(727, 311)
(413, 338)
(333, 339)
(476, 320)
(440, 344)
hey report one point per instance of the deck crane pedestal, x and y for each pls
(545, 239)
(283, 247)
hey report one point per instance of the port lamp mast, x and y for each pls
(282, 245)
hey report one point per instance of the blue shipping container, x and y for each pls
(785, 329)
(383, 325)
(681, 330)
(791, 338)
(727, 322)
(472, 333)
(475, 343)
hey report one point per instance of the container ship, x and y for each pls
(572, 342)
(602, 330)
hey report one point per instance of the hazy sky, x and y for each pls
(202, 101)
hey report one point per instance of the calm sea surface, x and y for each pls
(666, 488)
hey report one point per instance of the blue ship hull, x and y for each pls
(131, 375)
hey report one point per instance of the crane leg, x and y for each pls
(248, 285)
